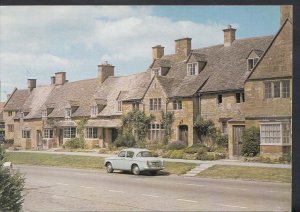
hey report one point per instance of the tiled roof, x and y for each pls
(79, 93)
(134, 86)
(17, 99)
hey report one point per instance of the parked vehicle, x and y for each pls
(8, 165)
(135, 160)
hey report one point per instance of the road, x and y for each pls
(64, 189)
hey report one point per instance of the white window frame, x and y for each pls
(241, 97)
(280, 134)
(155, 131)
(91, 132)
(156, 72)
(9, 113)
(94, 111)
(68, 112)
(26, 133)
(44, 113)
(10, 128)
(285, 90)
(119, 108)
(192, 69)
(69, 132)
(155, 104)
(135, 106)
(253, 61)
(2, 125)
(177, 105)
(48, 133)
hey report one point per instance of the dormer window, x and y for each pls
(156, 72)
(119, 106)
(68, 112)
(94, 111)
(252, 62)
(192, 69)
(44, 113)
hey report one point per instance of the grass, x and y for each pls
(83, 162)
(248, 173)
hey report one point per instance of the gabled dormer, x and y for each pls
(252, 58)
(160, 67)
(97, 106)
(195, 63)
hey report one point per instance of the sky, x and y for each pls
(38, 41)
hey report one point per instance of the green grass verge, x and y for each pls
(248, 173)
(85, 162)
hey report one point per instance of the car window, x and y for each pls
(130, 154)
(121, 154)
(144, 154)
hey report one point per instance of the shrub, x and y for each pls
(11, 187)
(196, 148)
(205, 156)
(75, 143)
(251, 141)
(125, 140)
(176, 145)
(176, 154)
(221, 140)
(287, 157)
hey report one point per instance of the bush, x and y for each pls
(176, 154)
(251, 141)
(176, 145)
(196, 148)
(11, 187)
(125, 140)
(221, 140)
(205, 156)
(287, 157)
(75, 143)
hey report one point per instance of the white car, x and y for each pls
(135, 160)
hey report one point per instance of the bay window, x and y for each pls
(277, 133)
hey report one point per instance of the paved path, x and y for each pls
(214, 162)
(65, 189)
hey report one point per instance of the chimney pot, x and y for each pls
(157, 52)
(104, 71)
(60, 78)
(31, 84)
(229, 35)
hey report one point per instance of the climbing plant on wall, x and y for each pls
(167, 121)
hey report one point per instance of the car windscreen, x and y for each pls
(144, 154)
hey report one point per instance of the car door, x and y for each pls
(128, 160)
(119, 161)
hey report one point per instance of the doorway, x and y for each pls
(61, 137)
(237, 140)
(183, 133)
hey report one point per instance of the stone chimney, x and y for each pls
(31, 84)
(286, 11)
(157, 52)
(229, 35)
(52, 80)
(104, 71)
(183, 46)
(60, 78)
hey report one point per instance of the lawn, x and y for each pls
(248, 173)
(84, 162)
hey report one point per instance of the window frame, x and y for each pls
(10, 128)
(119, 107)
(192, 69)
(70, 131)
(156, 72)
(177, 104)
(135, 106)
(285, 89)
(48, 133)
(253, 62)
(155, 131)
(94, 111)
(9, 113)
(91, 133)
(280, 136)
(44, 113)
(68, 112)
(26, 133)
(219, 100)
(155, 104)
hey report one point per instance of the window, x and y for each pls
(177, 105)
(129, 154)
(276, 89)
(48, 133)
(68, 112)
(135, 106)
(192, 69)
(122, 154)
(155, 131)
(239, 97)
(268, 90)
(275, 133)
(155, 104)
(285, 89)
(252, 62)
(9, 113)
(156, 72)
(10, 127)
(224, 127)
(119, 106)
(220, 99)
(91, 132)
(94, 111)
(2, 125)
(44, 113)
(26, 133)
(69, 132)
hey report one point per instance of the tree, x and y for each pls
(204, 128)
(167, 121)
(11, 187)
(251, 141)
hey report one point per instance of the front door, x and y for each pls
(183, 133)
(237, 140)
(61, 137)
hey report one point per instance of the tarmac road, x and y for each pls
(65, 189)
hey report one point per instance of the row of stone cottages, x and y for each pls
(237, 84)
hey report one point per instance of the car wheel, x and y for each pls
(135, 170)
(109, 168)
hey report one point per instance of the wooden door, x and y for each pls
(61, 137)
(237, 140)
(183, 133)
